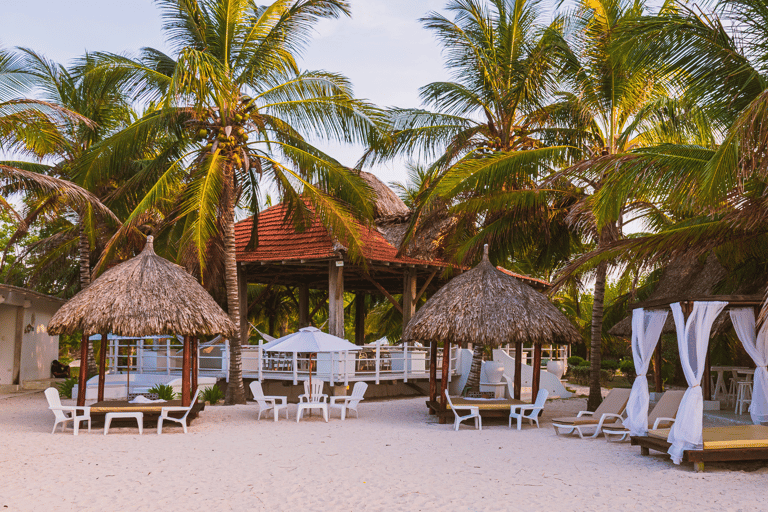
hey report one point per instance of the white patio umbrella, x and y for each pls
(310, 340)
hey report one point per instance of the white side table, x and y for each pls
(498, 388)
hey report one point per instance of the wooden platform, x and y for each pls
(151, 411)
(489, 408)
(721, 444)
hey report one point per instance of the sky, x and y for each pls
(383, 49)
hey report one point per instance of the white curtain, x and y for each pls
(756, 345)
(646, 330)
(692, 341)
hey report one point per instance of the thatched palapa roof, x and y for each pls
(145, 295)
(488, 307)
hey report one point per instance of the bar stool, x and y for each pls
(733, 388)
(744, 395)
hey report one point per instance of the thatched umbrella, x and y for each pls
(143, 296)
(485, 306)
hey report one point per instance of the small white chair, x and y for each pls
(138, 416)
(60, 412)
(267, 403)
(474, 412)
(313, 398)
(183, 420)
(349, 402)
(519, 411)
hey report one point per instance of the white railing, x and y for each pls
(548, 353)
(374, 364)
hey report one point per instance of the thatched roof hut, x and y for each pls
(387, 204)
(488, 307)
(143, 296)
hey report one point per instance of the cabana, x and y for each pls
(687, 441)
(141, 297)
(485, 306)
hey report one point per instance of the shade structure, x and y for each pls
(488, 307)
(141, 297)
(310, 340)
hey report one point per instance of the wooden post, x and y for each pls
(518, 369)
(336, 298)
(657, 368)
(185, 367)
(83, 377)
(536, 371)
(432, 373)
(103, 364)
(409, 295)
(360, 318)
(444, 380)
(706, 386)
(18, 340)
(303, 305)
(195, 362)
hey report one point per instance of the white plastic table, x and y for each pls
(138, 416)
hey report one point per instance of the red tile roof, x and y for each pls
(278, 241)
(525, 278)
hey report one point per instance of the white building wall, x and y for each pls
(38, 349)
(7, 330)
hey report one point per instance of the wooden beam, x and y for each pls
(409, 296)
(195, 363)
(83, 376)
(536, 371)
(432, 373)
(444, 381)
(303, 305)
(389, 297)
(658, 383)
(18, 340)
(518, 369)
(360, 318)
(317, 308)
(186, 366)
(336, 298)
(424, 288)
(103, 364)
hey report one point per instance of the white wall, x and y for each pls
(38, 349)
(7, 329)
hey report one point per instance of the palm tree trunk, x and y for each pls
(595, 395)
(235, 388)
(84, 252)
(473, 381)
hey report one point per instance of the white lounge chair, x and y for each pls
(267, 403)
(608, 412)
(474, 412)
(662, 416)
(60, 412)
(349, 402)
(519, 411)
(165, 411)
(313, 398)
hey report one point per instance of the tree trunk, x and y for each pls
(235, 388)
(473, 381)
(595, 396)
(84, 252)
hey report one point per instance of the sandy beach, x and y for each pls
(394, 457)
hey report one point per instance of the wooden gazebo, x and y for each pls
(143, 296)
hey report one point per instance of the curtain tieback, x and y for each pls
(641, 375)
(696, 386)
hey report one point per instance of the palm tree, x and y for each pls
(240, 108)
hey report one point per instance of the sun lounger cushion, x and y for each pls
(614, 403)
(717, 438)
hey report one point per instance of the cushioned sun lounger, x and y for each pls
(610, 411)
(662, 416)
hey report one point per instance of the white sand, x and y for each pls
(394, 457)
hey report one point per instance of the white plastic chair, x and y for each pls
(313, 399)
(519, 411)
(474, 412)
(183, 420)
(267, 403)
(349, 402)
(60, 412)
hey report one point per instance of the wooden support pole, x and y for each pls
(336, 298)
(185, 370)
(409, 295)
(518, 369)
(444, 381)
(432, 373)
(195, 363)
(384, 292)
(18, 340)
(103, 364)
(303, 305)
(706, 385)
(659, 384)
(360, 318)
(83, 377)
(536, 371)
(424, 286)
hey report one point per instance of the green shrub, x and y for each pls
(609, 364)
(582, 373)
(576, 361)
(163, 391)
(627, 367)
(212, 394)
(65, 388)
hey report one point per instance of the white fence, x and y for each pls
(548, 353)
(373, 364)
